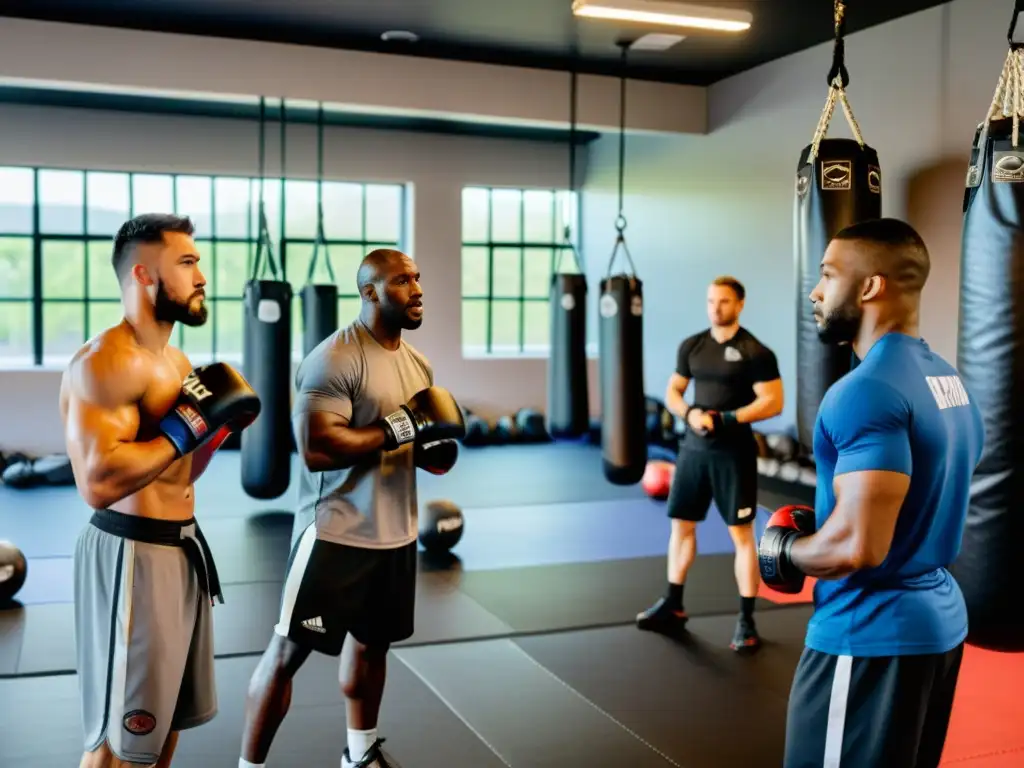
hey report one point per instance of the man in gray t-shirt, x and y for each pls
(366, 415)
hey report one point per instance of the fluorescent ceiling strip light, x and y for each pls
(665, 13)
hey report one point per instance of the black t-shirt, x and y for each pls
(723, 377)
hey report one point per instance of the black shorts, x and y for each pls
(332, 590)
(879, 712)
(729, 478)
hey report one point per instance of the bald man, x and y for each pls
(366, 414)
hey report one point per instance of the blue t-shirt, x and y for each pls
(903, 409)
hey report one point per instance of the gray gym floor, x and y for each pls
(601, 697)
(525, 653)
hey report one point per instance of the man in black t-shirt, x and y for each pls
(736, 383)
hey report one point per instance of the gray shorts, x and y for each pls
(144, 633)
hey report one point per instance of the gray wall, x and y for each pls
(700, 206)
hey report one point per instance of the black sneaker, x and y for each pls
(745, 639)
(375, 757)
(661, 617)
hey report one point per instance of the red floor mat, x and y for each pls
(988, 712)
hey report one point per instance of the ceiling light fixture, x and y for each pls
(666, 14)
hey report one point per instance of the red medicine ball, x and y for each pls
(658, 479)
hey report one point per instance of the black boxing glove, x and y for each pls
(215, 401)
(430, 415)
(437, 458)
(786, 525)
(719, 419)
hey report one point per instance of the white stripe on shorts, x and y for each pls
(837, 712)
(294, 579)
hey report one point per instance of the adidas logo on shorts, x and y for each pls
(314, 625)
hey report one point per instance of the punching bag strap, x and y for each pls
(1006, 101)
(838, 80)
(620, 221)
(264, 246)
(568, 208)
(321, 240)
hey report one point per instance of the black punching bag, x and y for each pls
(623, 404)
(266, 444)
(841, 186)
(568, 400)
(990, 358)
(319, 314)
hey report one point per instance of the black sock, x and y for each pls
(747, 607)
(675, 596)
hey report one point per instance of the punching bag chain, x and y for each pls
(320, 243)
(568, 209)
(838, 79)
(264, 247)
(620, 221)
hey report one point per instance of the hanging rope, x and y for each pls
(320, 244)
(1007, 101)
(620, 221)
(568, 208)
(264, 246)
(838, 80)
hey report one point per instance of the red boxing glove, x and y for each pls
(202, 455)
(786, 525)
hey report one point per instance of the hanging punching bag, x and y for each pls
(621, 338)
(319, 314)
(990, 359)
(266, 445)
(841, 186)
(568, 399)
(623, 405)
(838, 183)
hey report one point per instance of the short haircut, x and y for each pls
(145, 228)
(732, 282)
(896, 251)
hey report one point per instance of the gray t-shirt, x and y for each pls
(372, 504)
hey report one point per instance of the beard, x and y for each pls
(169, 311)
(400, 319)
(840, 325)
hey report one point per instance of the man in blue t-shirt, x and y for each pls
(896, 443)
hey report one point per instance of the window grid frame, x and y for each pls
(554, 246)
(38, 239)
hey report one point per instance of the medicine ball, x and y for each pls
(12, 571)
(441, 526)
(657, 479)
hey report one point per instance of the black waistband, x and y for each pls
(173, 533)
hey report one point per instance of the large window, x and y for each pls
(57, 287)
(512, 240)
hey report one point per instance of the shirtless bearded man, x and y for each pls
(140, 426)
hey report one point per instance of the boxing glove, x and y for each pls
(719, 419)
(437, 458)
(430, 415)
(786, 525)
(215, 401)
